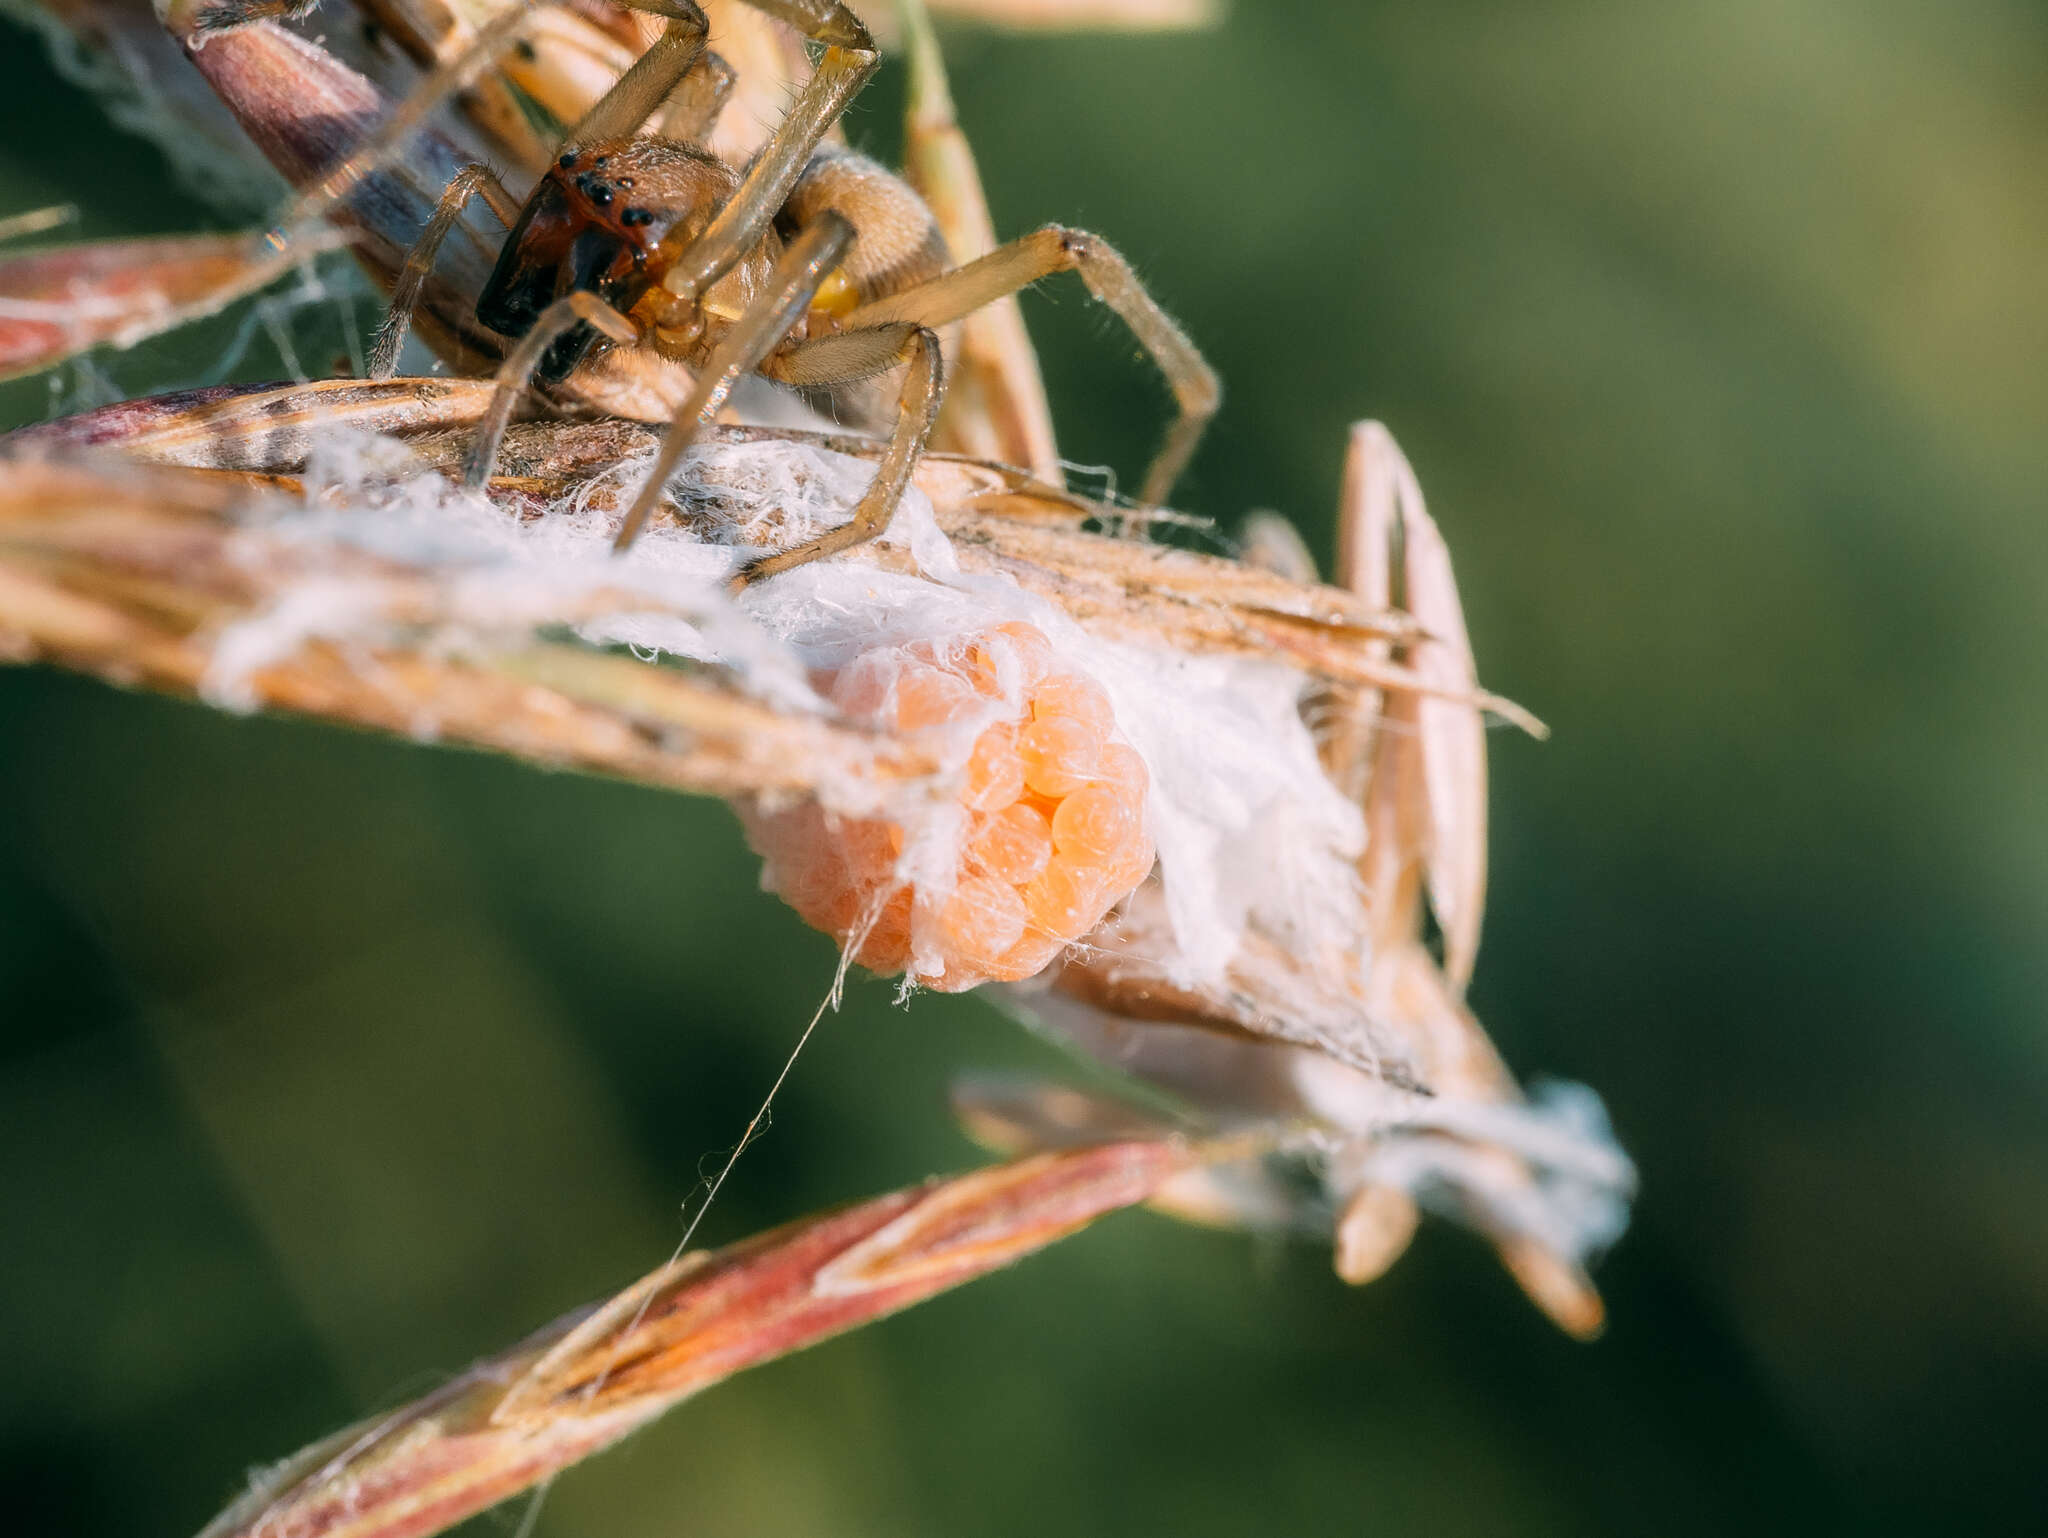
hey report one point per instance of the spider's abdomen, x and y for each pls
(897, 243)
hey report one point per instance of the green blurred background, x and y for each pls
(1719, 337)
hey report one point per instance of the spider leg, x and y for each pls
(419, 262)
(225, 15)
(694, 105)
(841, 359)
(516, 373)
(952, 295)
(850, 58)
(639, 93)
(779, 306)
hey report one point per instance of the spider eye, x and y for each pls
(568, 161)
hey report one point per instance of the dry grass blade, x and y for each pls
(133, 574)
(265, 429)
(55, 304)
(591, 1378)
(1428, 780)
(1001, 521)
(995, 398)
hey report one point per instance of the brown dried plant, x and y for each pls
(302, 548)
(594, 1376)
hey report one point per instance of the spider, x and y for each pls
(810, 265)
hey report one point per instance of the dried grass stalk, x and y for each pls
(1002, 521)
(57, 303)
(592, 1377)
(130, 574)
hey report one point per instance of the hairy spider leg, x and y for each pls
(850, 59)
(576, 307)
(623, 110)
(469, 182)
(695, 105)
(944, 299)
(841, 359)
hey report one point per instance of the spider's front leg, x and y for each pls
(776, 309)
(578, 307)
(849, 61)
(640, 92)
(471, 181)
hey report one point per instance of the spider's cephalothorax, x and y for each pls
(604, 222)
(809, 265)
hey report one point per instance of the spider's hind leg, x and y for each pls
(855, 355)
(945, 299)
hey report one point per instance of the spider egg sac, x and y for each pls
(1049, 812)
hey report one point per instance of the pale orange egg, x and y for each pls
(1055, 816)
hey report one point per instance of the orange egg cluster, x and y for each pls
(1054, 815)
